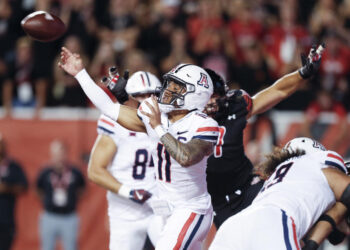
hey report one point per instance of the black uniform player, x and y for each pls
(230, 178)
(231, 183)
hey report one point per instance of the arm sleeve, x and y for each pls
(97, 96)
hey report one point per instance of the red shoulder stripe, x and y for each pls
(107, 122)
(336, 157)
(207, 129)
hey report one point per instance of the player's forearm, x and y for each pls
(124, 115)
(288, 84)
(186, 154)
(320, 232)
(280, 90)
(97, 96)
(323, 228)
(103, 178)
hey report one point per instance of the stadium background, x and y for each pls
(250, 43)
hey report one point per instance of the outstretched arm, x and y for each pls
(127, 117)
(280, 90)
(288, 84)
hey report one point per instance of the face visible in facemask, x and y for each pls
(172, 92)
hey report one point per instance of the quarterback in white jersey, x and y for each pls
(300, 188)
(121, 162)
(183, 198)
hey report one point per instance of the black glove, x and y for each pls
(312, 63)
(310, 245)
(139, 195)
(239, 102)
(117, 84)
(232, 105)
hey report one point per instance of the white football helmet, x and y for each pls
(142, 82)
(197, 86)
(306, 144)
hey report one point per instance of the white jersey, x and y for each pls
(299, 187)
(183, 187)
(132, 166)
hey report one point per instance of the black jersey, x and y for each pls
(229, 168)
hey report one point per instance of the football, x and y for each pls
(43, 26)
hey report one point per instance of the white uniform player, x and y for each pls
(291, 201)
(133, 166)
(130, 163)
(182, 198)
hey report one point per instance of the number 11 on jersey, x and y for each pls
(163, 162)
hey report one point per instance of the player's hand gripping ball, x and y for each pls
(43, 26)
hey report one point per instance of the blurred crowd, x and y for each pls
(250, 43)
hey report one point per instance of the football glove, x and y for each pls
(136, 195)
(312, 62)
(239, 101)
(116, 84)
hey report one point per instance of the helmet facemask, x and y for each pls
(172, 94)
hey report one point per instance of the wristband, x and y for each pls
(160, 131)
(124, 191)
(310, 245)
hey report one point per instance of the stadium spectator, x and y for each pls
(201, 26)
(283, 39)
(28, 87)
(178, 52)
(252, 76)
(218, 57)
(323, 18)
(244, 28)
(10, 16)
(59, 186)
(325, 103)
(13, 182)
(335, 69)
(66, 91)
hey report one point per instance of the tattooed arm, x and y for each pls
(186, 154)
(189, 153)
